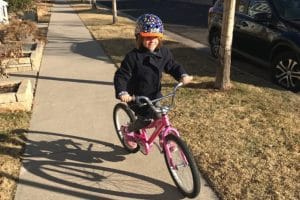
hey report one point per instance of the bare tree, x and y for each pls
(114, 11)
(223, 72)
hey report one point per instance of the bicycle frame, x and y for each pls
(178, 157)
(162, 126)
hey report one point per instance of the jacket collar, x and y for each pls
(156, 53)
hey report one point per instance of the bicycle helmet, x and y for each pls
(149, 25)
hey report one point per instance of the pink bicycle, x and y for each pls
(179, 159)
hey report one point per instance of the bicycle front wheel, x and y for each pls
(122, 115)
(182, 166)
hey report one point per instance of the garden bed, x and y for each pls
(43, 12)
(29, 61)
(16, 95)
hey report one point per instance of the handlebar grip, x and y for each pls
(138, 99)
(133, 98)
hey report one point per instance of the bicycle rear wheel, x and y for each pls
(182, 166)
(122, 116)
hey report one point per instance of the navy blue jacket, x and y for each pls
(141, 71)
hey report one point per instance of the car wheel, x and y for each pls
(286, 71)
(215, 40)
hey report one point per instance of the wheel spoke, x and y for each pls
(293, 77)
(182, 167)
(292, 64)
(287, 71)
(283, 80)
(122, 116)
(282, 77)
(183, 177)
(293, 74)
(296, 75)
(281, 67)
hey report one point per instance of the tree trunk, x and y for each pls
(115, 16)
(223, 71)
(94, 6)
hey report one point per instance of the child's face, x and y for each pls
(150, 43)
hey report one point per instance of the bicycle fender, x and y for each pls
(171, 130)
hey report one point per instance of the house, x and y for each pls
(3, 12)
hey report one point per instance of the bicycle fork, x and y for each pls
(171, 148)
(183, 161)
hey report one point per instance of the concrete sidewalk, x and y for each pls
(72, 150)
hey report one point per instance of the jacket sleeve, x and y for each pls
(172, 67)
(122, 76)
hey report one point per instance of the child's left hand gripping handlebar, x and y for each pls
(143, 100)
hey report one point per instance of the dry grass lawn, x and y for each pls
(14, 124)
(12, 127)
(245, 141)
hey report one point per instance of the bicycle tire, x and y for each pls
(118, 109)
(192, 168)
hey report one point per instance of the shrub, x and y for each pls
(15, 5)
(19, 30)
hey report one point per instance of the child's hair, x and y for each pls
(139, 42)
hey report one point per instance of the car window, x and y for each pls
(258, 6)
(240, 7)
(289, 9)
(219, 4)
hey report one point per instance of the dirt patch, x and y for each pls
(9, 88)
(246, 140)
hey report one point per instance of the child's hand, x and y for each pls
(126, 98)
(186, 79)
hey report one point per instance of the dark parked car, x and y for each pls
(267, 31)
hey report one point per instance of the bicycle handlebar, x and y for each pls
(147, 101)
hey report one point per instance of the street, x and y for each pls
(186, 19)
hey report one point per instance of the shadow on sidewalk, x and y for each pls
(74, 163)
(62, 79)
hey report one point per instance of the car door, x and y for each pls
(253, 33)
(240, 13)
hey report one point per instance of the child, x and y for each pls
(141, 70)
